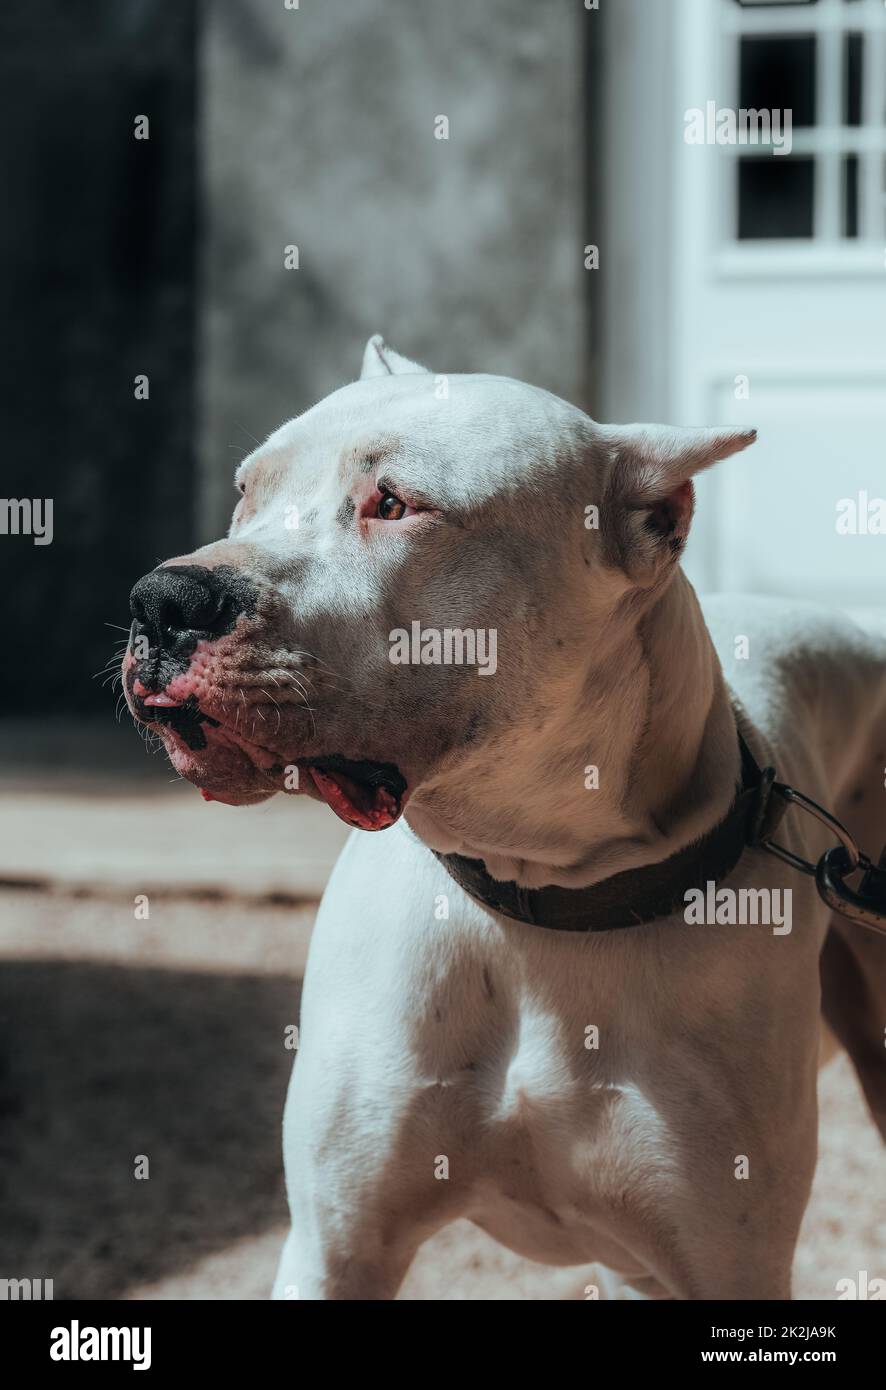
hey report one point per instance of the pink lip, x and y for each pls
(165, 701)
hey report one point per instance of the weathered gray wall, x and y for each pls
(318, 130)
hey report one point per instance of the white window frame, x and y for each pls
(827, 251)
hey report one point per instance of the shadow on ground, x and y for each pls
(100, 1063)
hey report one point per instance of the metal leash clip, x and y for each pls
(865, 904)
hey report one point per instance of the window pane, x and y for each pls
(775, 197)
(850, 195)
(852, 70)
(779, 74)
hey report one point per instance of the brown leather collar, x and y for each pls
(635, 896)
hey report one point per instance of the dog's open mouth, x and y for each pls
(183, 717)
(368, 795)
(362, 792)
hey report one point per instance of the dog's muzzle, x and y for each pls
(174, 608)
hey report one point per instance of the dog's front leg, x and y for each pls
(348, 1240)
(352, 1234)
(314, 1265)
(361, 1188)
(740, 1202)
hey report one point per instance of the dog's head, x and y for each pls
(412, 567)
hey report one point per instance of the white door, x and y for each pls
(774, 311)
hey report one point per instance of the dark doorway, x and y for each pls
(97, 288)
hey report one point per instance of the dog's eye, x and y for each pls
(390, 508)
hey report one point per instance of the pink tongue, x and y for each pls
(365, 808)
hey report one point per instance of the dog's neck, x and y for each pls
(636, 757)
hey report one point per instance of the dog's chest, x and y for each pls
(535, 1098)
(541, 1137)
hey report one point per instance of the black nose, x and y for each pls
(176, 606)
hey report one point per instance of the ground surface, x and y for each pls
(165, 1037)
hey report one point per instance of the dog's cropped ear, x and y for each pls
(380, 360)
(649, 498)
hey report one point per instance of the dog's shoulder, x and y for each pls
(794, 639)
(805, 674)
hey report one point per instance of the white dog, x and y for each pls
(461, 599)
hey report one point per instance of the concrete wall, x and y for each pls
(317, 129)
